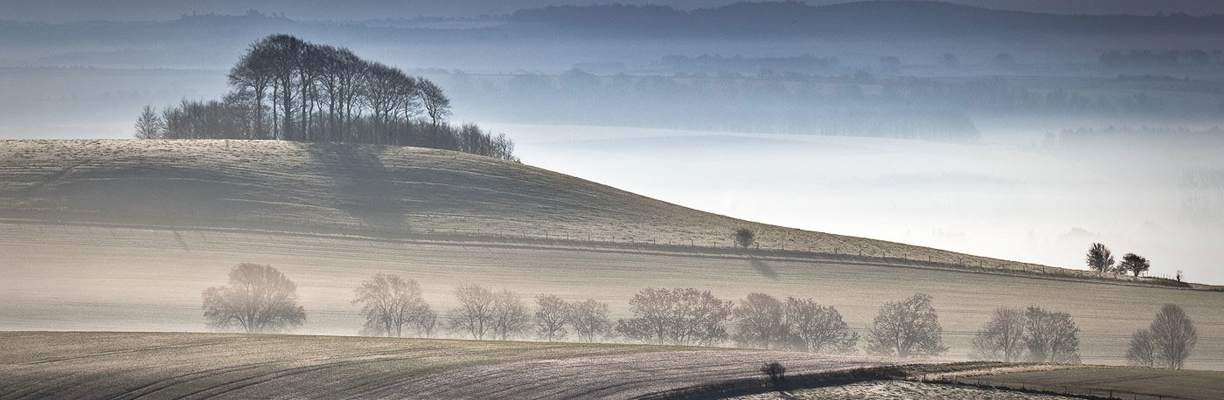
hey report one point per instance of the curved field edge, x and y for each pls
(197, 366)
(387, 192)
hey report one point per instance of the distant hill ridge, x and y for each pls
(385, 192)
(860, 18)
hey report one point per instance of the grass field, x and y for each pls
(124, 235)
(197, 366)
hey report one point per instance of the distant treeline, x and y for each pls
(1149, 58)
(287, 89)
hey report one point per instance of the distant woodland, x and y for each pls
(284, 88)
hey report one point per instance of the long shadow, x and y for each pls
(365, 189)
(763, 268)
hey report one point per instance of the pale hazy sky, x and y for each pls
(77, 10)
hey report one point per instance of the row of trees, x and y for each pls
(260, 299)
(284, 88)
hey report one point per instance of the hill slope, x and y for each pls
(370, 191)
(125, 235)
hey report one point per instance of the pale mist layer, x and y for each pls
(1030, 202)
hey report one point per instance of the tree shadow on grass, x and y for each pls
(763, 268)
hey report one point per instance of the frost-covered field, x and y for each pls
(197, 366)
(900, 390)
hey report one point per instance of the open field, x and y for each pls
(90, 278)
(1119, 382)
(372, 191)
(196, 366)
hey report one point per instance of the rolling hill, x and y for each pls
(380, 192)
(124, 235)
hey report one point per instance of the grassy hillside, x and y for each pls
(79, 253)
(374, 191)
(197, 366)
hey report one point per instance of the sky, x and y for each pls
(130, 10)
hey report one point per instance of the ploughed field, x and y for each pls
(225, 366)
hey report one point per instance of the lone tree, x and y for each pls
(906, 328)
(775, 372)
(1051, 336)
(818, 329)
(1002, 339)
(149, 125)
(259, 299)
(1099, 259)
(551, 315)
(590, 320)
(390, 303)
(1142, 350)
(759, 322)
(1134, 264)
(745, 237)
(1174, 336)
(474, 315)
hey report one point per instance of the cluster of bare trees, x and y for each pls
(796, 324)
(483, 313)
(681, 316)
(285, 88)
(392, 304)
(1101, 260)
(1035, 334)
(1167, 342)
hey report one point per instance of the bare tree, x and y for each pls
(1174, 336)
(389, 304)
(474, 315)
(1051, 336)
(906, 328)
(775, 372)
(426, 321)
(149, 125)
(1002, 339)
(510, 315)
(1134, 264)
(1099, 258)
(760, 322)
(437, 105)
(744, 237)
(677, 316)
(551, 315)
(590, 320)
(259, 299)
(818, 329)
(1142, 350)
